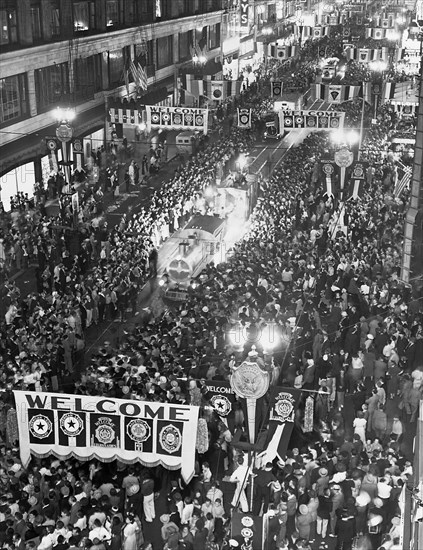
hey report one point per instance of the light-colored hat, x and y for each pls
(164, 518)
(378, 502)
(133, 489)
(323, 472)
(303, 509)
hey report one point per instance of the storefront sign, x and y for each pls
(243, 6)
(105, 428)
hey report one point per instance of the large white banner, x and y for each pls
(105, 428)
(177, 118)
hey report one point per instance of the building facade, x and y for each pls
(76, 53)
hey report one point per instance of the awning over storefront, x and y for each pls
(33, 145)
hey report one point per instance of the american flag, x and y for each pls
(403, 180)
(138, 74)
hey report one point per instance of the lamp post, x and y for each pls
(64, 133)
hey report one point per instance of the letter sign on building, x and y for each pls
(244, 15)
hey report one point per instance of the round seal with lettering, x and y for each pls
(51, 144)
(221, 404)
(328, 169)
(344, 157)
(155, 118)
(177, 118)
(358, 171)
(247, 533)
(284, 406)
(138, 430)
(188, 118)
(40, 426)
(105, 432)
(249, 381)
(199, 120)
(71, 424)
(244, 118)
(170, 439)
(77, 146)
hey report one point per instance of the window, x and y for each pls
(13, 99)
(8, 29)
(36, 22)
(55, 20)
(116, 68)
(214, 36)
(164, 51)
(185, 41)
(51, 86)
(83, 16)
(87, 77)
(112, 13)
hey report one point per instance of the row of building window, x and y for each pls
(49, 20)
(52, 85)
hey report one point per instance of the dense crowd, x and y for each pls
(349, 330)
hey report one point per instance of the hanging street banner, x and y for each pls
(244, 118)
(177, 118)
(319, 120)
(276, 89)
(329, 171)
(87, 427)
(283, 405)
(335, 93)
(366, 55)
(221, 396)
(357, 179)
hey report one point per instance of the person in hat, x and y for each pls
(303, 522)
(264, 482)
(168, 527)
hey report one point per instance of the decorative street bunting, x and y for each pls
(320, 120)
(177, 118)
(244, 118)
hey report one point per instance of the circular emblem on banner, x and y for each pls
(249, 381)
(217, 93)
(177, 118)
(406, 109)
(247, 533)
(277, 90)
(51, 144)
(328, 169)
(271, 130)
(40, 426)
(221, 404)
(71, 424)
(323, 121)
(138, 430)
(284, 407)
(64, 132)
(189, 118)
(344, 157)
(311, 121)
(247, 521)
(376, 89)
(326, 74)
(358, 171)
(346, 31)
(77, 146)
(287, 121)
(199, 120)
(299, 120)
(165, 117)
(244, 118)
(155, 118)
(334, 122)
(105, 432)
(170, 439)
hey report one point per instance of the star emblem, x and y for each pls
(40, 426)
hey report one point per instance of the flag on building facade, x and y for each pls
(138, 74)
(365, 55)
(404, 175)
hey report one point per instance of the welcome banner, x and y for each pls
(177, 118)
(107, 429)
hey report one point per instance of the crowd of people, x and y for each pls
(350, 331)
